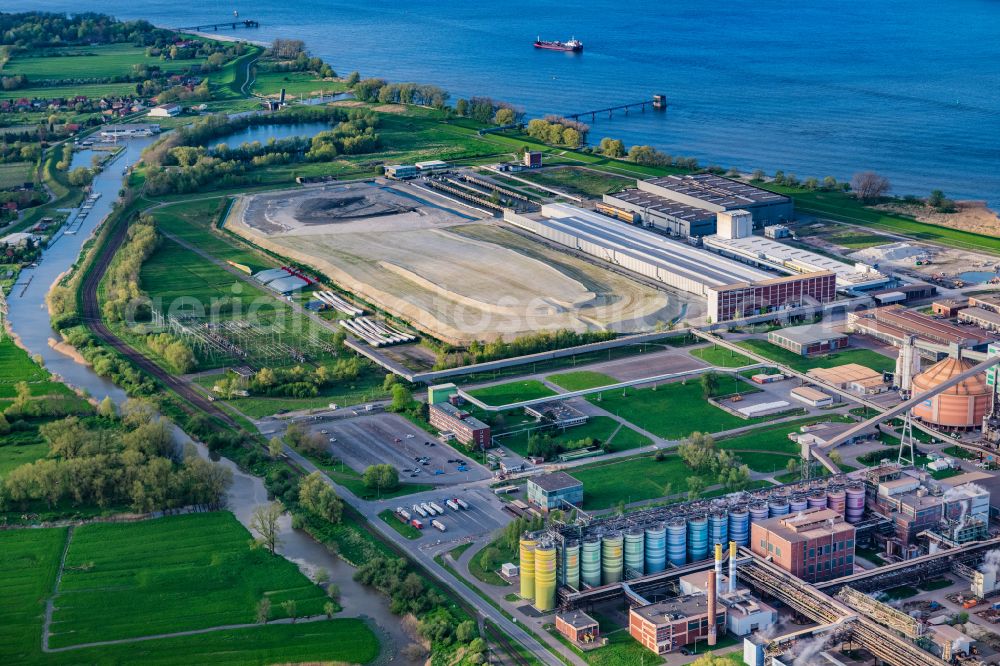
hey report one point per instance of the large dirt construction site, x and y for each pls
(451, 275)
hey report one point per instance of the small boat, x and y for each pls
(573, 44)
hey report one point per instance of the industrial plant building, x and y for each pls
(988, 320)
(667, 626)
(893, 324)
(954, 510)
(808, 340)
(960, 407)
(732, 290)
(643, 543)
(554, 491)
(467, 429)
(768, 253)
(814, 544)
(686, 205)
(854, 377)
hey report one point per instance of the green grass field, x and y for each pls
(169, 575)
(721, 357)
(192, 221)
(296, 84)
(865, 357)
(602, 428)
(24, 446)
(578, 180)
(16, 174)
(409, 531)
(89, 62)
(845, 208)
(502, 394)
(604, 487)
(579, 380)
(184, 585)
(671, 411)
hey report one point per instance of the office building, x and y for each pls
(554, 491)
(467, 429)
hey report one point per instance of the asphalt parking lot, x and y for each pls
(484, 515)
(371, 439)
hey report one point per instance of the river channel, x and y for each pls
(29, 320)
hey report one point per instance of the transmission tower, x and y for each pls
(906, 441)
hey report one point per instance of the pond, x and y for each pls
(977, 277)
(264, 133)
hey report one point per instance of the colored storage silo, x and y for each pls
(677, 542)
(836, 499)
(739, 525)
(569, 572)
(527, 568)
(758, 511)
(545, 577)
(855, 503)
(777, 506)
(697, 538)
(817, 499)
(635, 553)
(656, 549)
(718, 527)
(797, 503)
(612, 558)
(590, 561)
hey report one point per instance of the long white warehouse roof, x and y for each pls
(637, 249)
(796, 260)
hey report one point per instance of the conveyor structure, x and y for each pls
(809, 601)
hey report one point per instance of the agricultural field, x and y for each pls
(580, 380)
(98, 61)
(600, 428)
(208, 577)
(502, 394)
(15, 174)
(721, 357)
(865, 357)
(198, 571)
(578, 180)
(672, 411)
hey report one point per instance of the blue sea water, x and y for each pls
(908, 89)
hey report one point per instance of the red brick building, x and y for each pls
(670, 625)
(467, 429)
(578, 627)
(815, 544)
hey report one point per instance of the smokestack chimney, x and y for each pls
(281, 99)
(732, 567)
(712, 631)
(718, 568)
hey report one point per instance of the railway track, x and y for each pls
(501, 639)
(94, 321)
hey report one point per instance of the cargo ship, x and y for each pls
(574, 45)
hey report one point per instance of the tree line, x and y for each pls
(115, 460)
(532, 343)
(383, 92)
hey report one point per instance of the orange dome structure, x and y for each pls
(961, 406)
